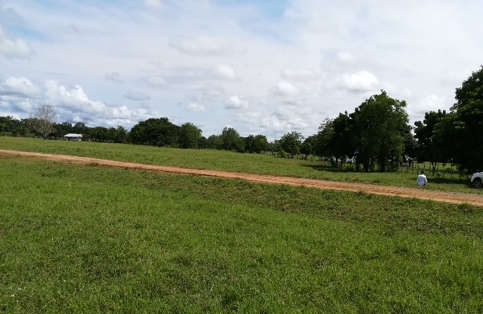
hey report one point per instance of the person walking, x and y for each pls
(421, 180)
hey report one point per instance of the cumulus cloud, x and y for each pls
(19, 86)
(284, 89)
(362, 81)
(196, 107)
(237, 102)
(225, 73)
(156, 81)
(429, 103)
(203, 45)
(14, 48)
(74, 102)
(299, 74)
(114, 77)
(136, 95)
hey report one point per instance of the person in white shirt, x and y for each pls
(421, 180)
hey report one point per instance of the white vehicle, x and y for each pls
(477, 180)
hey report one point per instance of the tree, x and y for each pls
(291, 142)
(189, 136)
(424, 134)
(63, 128)
(43, 121)
(259, 144)
(232, 140)
(214, 142)
(324, 138)
(156, 132)
(378, 127)
(308, 146)
(99, 134)
(460, 133)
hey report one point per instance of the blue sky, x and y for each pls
(262, 67)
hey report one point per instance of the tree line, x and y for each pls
(376, 135)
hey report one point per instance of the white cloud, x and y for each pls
(14, 48)
(237, 102)
(156, 81)
(225, 73)
(196, 107)
(345, 58)
(74, 102)
(362, 81)
(19, 86)
(153, 3)
(136, 95)
(285, 89)
(428, 103)
(114, 77)
(299, 74)
(203, 45)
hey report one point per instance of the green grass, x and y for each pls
(87, 239)
(229, 161)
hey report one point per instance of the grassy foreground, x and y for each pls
(86, 239)
(229, 161)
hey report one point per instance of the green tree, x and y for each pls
(63, 128)
(214, 142)
(461, 131)
(291, 142)
(308, 146)
(156, 132)
(324, 138)
(189, 136)
(99, 134)
(424, 134)
(260, 144)
(379, 124)
(232, 140)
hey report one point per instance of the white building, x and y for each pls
(73, 137)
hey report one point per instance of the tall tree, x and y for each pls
(324, 138)
(232, 140)
(63, 128)
(461, 131)
(259, 144)
(214, 142)
(291, 142)
(156, 132)
(426, 149)
(43, 120)
(379, 124)
(189, 136)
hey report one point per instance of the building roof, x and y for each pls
(73, 135)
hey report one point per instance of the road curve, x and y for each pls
(438, 196)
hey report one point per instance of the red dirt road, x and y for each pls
(456, 198)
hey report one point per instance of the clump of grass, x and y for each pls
(92, 239)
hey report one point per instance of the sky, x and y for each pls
(262, 67)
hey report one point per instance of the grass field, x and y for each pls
(229, 161)
(87, 239)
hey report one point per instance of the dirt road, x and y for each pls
(456, 198)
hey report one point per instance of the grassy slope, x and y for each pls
(80, 239)
(223, 160)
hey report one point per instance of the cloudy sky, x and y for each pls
(263, 67)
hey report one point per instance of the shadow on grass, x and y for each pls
(462, 181)
(329, 168)
(435, 180)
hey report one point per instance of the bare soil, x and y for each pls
(420, 193)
